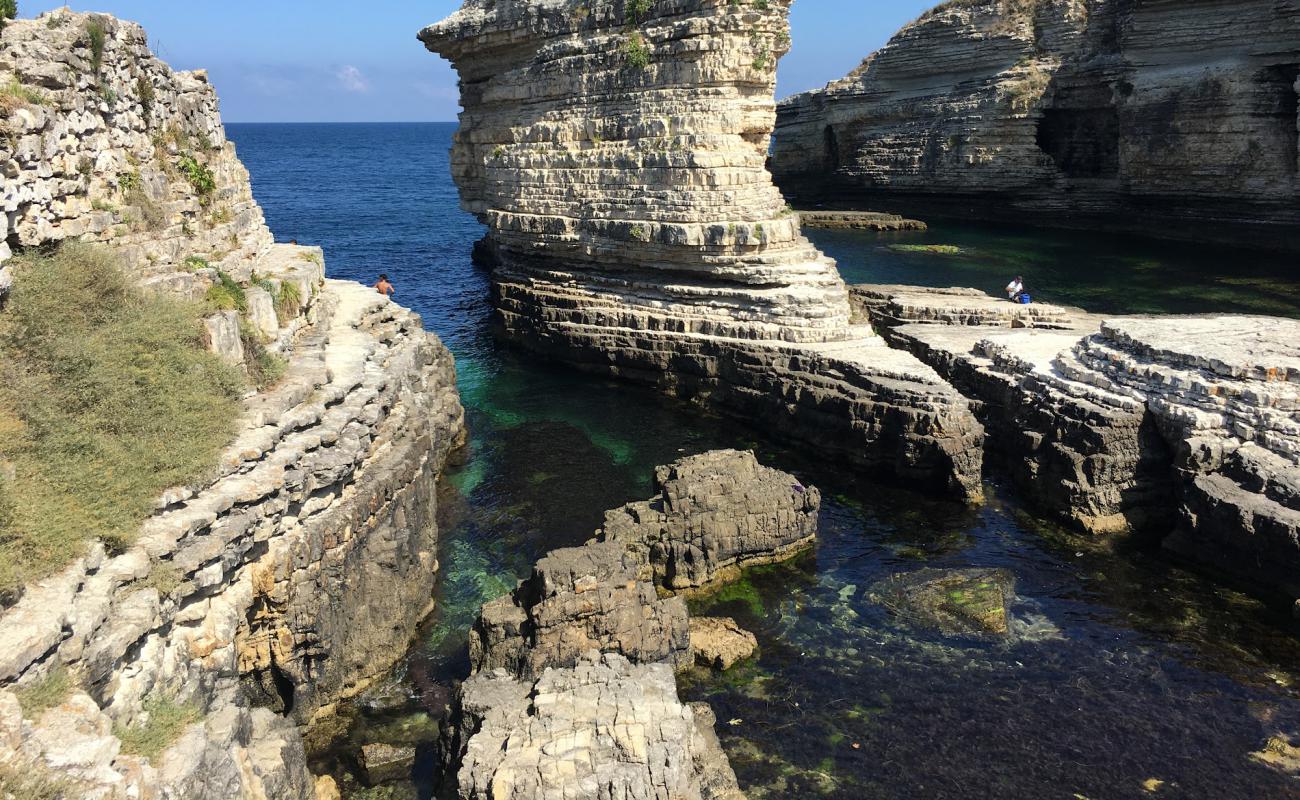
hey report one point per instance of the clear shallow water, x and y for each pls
(1123, 668)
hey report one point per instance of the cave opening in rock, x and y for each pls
(1082, 142)
(832, 149)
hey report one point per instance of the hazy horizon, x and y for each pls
(295, 61)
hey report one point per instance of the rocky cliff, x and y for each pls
(1156, 115)
(616, 152)
(297, 570)
(1187, 428)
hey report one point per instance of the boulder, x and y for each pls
(718, 642)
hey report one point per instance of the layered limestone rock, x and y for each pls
(1132, 423)
(287, 581)
(573, 692)
(297, 569)
(604, 728)
(105, 143)
(616, 153)
(1162, 116)
(712, 515)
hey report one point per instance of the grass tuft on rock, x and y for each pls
(164, 722)
(38, 697)
(22, 780)
(107, 397)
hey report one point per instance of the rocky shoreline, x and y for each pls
(252, 601)
(1183, 427)
(572, 687)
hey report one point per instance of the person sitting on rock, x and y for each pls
(1015, 288)
(384, 287)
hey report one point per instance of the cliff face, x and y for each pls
(298, 569)
(106, 144)
(1158, 115)
(616, 152)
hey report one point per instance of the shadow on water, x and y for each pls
(1101, 272)
(1121, 668)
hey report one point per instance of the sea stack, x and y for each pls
(616, 153)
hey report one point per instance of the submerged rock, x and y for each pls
(959, 601)
(719, 642)
(384, 762)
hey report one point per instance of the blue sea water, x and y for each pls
(1124, 668)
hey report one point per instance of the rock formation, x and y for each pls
(1189, 424)
(616, 153)
(712, 515)
(573, 691)
(294, 573)
(952, 601)
(104, 143)
(1159, 116)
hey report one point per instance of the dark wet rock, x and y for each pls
(954, 602)
(603, 728)
(715, 513)
(384, 762)
(718, 642)
(580, 599)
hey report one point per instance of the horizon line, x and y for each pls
(340, 122)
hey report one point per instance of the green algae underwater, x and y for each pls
(1122, 671)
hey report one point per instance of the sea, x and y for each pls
(1125, 675)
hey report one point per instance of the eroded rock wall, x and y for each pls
(107, 144)
(616, 152)
(296, 571)
(1162, 116)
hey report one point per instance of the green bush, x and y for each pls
(107, 397)
(264, 368)
(199, 176)
(637, 10)
(8, 11)
(14, 95)
(144, 88)
(164, 723)
(97, 36)
(636, 53)
(288, 301)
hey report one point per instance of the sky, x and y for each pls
(336, 61)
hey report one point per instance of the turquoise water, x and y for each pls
(1122, 668)
(1102, 272)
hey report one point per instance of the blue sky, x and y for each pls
(335, 61)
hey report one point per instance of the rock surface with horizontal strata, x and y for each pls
(634, 230)
(1189, 423)
(583, 651)
(712, 515)
(1161, 116)
(295, 571)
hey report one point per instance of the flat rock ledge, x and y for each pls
(584, 651)
(634, 231)
(1187, 427)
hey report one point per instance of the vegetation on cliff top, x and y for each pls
(108, 396)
